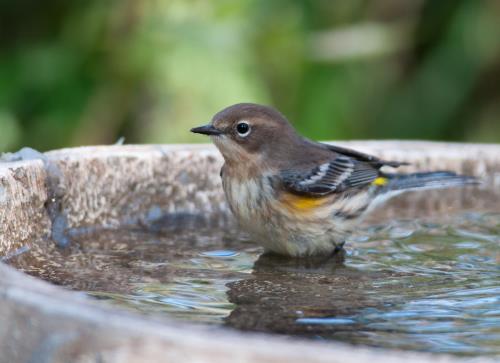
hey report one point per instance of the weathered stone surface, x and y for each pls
(23, 218)
(132, 184)
(75, 189)
(123, 185)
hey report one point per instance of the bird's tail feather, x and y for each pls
(429, 180)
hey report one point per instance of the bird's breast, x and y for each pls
(248, 198)
(257, 199)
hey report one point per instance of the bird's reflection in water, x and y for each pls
(302, 296)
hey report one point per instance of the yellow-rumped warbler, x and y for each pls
(296, 196)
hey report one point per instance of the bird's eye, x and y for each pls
(243, 128)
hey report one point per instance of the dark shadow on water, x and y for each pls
(314, 296)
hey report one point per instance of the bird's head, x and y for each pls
(249, 132)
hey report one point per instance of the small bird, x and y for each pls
(298, 197)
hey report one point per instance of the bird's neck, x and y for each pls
(244, 169)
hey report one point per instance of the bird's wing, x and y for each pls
(340, 173)
(375, 161)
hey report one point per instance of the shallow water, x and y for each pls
(411, 284)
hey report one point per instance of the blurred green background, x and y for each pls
(88, 72)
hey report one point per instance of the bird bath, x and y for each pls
(152, 266)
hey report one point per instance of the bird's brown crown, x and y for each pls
(249, 134)
(249, 112)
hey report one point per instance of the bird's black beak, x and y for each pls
(206, 130)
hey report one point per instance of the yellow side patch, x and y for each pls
(303, 203)
(380, 181)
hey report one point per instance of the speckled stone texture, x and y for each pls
(138, 184)
(112, 186)
(22, 197)
(70, 191)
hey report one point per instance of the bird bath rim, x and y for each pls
(136, 185)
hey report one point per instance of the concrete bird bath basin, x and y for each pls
(47, 202)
